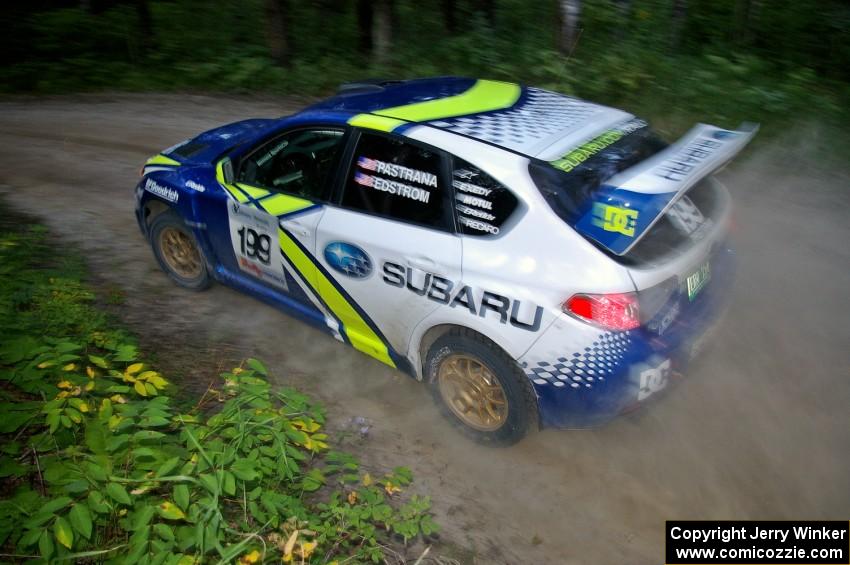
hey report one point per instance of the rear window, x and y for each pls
(570, 183)
(482, 204)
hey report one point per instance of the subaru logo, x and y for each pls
(348, 259)
(724, 134)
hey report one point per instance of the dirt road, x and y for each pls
(760, 429)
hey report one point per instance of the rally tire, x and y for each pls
(467, 348)
(177, 251)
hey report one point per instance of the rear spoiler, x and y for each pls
(630, 202)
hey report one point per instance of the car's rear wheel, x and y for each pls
(178, 253)
(480, 389)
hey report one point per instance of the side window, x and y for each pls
(395, 179)
(300, 162)
(481, 203)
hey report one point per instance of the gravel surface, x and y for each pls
(758, 430)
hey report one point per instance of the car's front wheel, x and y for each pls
(480, 389)
(177, 252)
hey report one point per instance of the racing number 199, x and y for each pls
(255, 245)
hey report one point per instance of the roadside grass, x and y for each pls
(99, 461)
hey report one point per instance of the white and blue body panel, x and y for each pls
(353, 274)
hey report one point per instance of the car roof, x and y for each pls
(530, 121)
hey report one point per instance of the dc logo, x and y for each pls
(615, 218)
(348, 259)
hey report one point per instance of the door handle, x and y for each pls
(297, 228)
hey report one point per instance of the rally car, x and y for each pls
(536, 259)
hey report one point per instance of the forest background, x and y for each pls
(779, 62)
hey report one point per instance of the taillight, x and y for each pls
(610, 311)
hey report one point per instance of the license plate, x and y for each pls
(698, 280)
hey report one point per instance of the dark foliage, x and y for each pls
(723, 60)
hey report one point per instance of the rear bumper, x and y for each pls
(588, 381)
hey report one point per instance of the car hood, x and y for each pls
(211, 144)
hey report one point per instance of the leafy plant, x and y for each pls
(98, 462)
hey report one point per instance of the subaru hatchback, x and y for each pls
(535, 259)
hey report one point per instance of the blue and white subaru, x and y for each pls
(536, 259)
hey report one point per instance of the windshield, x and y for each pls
(570, 183)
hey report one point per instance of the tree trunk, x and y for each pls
(449, 16)
(756, 11)
(145, 32)
(277, 32)
(624, 15)
(677, 23)
(382, 30)
(488, 9)
(569, 13)
(365, 17)
(748, 14)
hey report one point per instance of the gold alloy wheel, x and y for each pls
(180, 253)
(472, 392)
